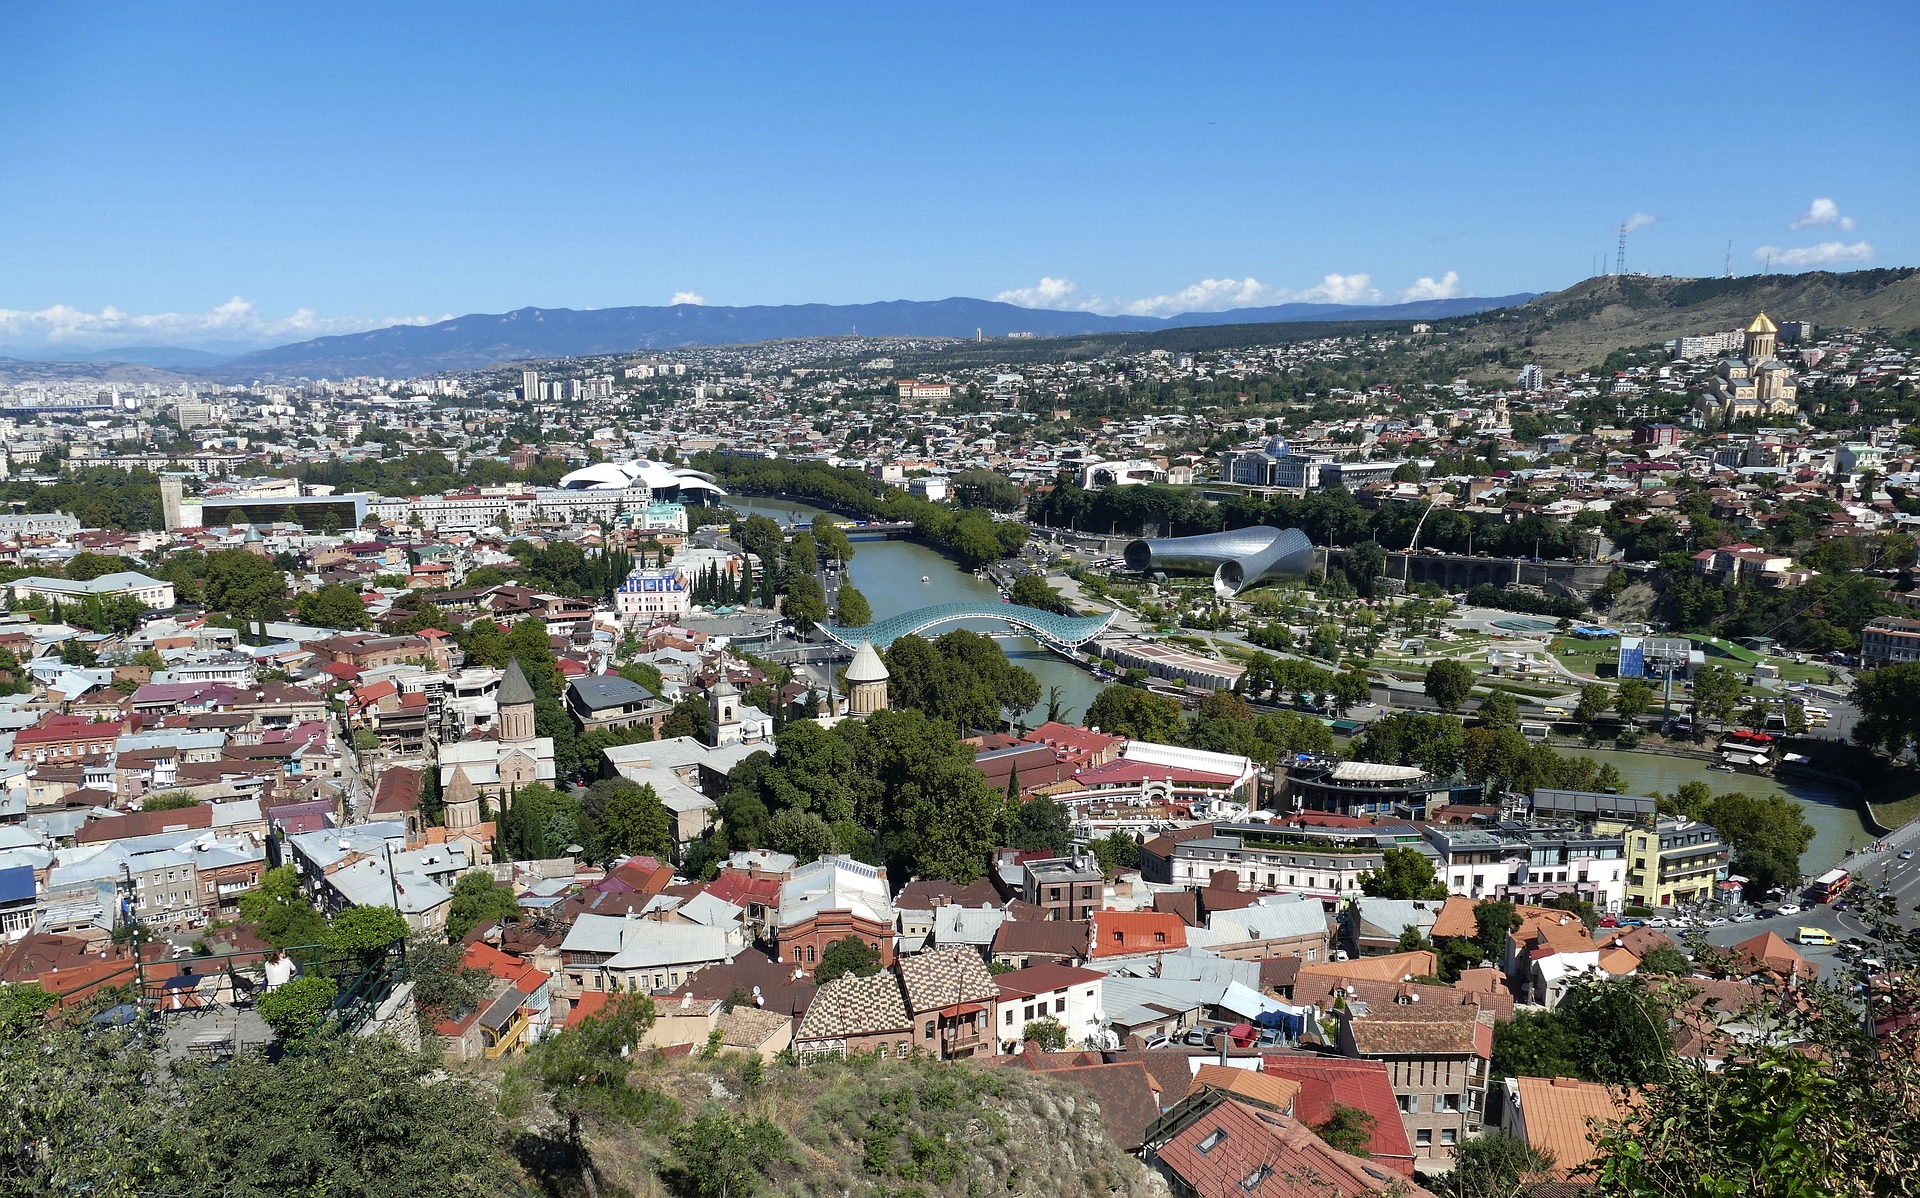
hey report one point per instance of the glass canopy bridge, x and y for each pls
(1050, 629)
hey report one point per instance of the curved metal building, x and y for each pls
(1237, 558)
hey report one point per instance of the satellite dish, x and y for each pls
(1099, 1016)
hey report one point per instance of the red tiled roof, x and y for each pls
(1366, 1085)
(1118, 933)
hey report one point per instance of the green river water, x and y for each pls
(888, 573)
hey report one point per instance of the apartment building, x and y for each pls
(1675, 861)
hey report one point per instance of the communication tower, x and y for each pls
(1620, 256)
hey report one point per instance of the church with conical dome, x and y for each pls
(493, 768)
(867, 678)
(1754, 384)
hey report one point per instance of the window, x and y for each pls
(1009, 1019)
(1060, 1005)
(1448, 1135)
(900, 1050)
(929, 1032)
(1159, 937)
(883, 1052)
(1410, 1103)
(1424, 1137)
(1446, 1102)
(1028, 1012)
(1215, 1138)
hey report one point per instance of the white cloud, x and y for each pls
(1445, 287)
(688, 297)
(1827, 253)
(1640, 220)
(1341, 289)
(1049, 292)
(1824, 212)
(1208, 295)
(237, 320)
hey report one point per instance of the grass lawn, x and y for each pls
(1895, 797)
(1585, 657)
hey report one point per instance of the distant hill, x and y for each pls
(1579, 326)
(472, 342)
(167, 357)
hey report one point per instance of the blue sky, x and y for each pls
(256, 174)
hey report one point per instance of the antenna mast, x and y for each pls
(1729, 272)
(1620, 257)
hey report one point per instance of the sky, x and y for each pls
(236, 176)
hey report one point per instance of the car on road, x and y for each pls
(1816, 937)
(1789, 908)
(1743, 916)
(1718, 921)
(1906, 855)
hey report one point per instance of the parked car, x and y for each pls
(1789, 908)
(1742, 916)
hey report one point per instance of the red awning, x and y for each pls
(965, 1008)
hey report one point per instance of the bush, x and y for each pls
(294, 1010)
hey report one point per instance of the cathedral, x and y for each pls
(472, 770)
(1754, 384)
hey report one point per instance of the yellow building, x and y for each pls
(1674, 862)
(1754, 384)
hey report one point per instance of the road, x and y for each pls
(1870, 869)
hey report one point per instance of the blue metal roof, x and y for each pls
(16, 883)
(1044, 625)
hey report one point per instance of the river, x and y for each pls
(888, 573)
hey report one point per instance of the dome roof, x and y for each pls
(1277, 446)
(1762, 325)
(867, 666)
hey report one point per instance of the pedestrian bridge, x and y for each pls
(1056, 631)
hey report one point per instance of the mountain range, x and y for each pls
(480, 340)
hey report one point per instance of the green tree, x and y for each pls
(719, 1154)
(1365, 563)
(1767, 835)
(806, 603)
(1043, 824)
(1499, 1164)
(335, 605)
(279, 910)
(1116, 851)
(1499, 710)
(293, 1010)
(851, 608)
(1031, 590)
(1666, 960)
(1403, 874)
(1347, 1129)
(1632, 699)
(1136, 714)
(1889, 702)
(1716, 694)
(635, 821)
(245, 585)
(478, 899)
(1047, 1033)
(1594, 701)
(1349, 687)
(851, 955)
(444, 986)
(1535, 1044)
(23, 1005)
(688, 717)
(365, 931)
(1448, 683)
